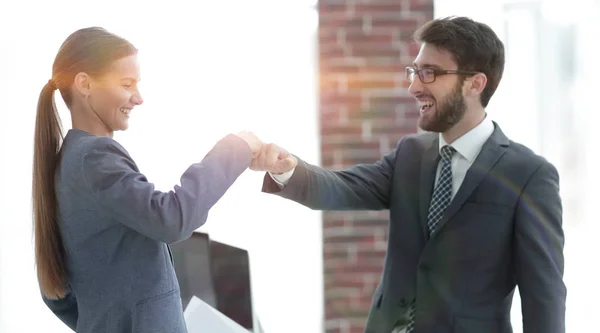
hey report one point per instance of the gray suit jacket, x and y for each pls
(115, 228)
(502, 229)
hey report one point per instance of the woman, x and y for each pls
(101, 229)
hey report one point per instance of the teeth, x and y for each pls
(125, 111)
(424, 105)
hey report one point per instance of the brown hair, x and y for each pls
(474, 46)
(90, 50)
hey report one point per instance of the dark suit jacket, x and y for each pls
(502, 229)
(115, 229)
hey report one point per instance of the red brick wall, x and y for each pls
(365, 109)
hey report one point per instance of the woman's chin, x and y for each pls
(123, 126)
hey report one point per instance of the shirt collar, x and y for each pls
(470, 143)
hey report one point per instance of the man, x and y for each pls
(472, 214)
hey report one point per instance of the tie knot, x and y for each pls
(447, 152)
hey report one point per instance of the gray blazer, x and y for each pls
(115, 228)
(502, 229)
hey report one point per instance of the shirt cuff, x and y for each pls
(282, 179)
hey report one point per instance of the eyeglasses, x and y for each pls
(428, 74)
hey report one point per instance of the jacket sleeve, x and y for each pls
(361, 187)
(65, 309)
(125, 194)
(538, 250)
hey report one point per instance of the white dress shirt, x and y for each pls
(467, 149)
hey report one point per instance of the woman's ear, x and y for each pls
(83, 84)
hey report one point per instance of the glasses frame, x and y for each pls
(411, 71)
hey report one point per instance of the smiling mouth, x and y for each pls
(126, 111)
(425, 106)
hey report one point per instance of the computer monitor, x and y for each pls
(231, 272)
(193, 269)
(217, 273)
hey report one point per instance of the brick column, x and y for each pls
(365, 109)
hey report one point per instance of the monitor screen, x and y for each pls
(231, 271)
(217, 273)
(192, 266)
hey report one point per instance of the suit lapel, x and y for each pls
(490, 153)
(429, 163)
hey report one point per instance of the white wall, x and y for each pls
(206, 71)
(546, 101)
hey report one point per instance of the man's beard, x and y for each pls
(447, 113)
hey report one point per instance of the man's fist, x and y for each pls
(274, 159)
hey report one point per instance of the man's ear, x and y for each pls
(476, 84)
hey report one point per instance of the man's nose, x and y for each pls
(416, 86)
